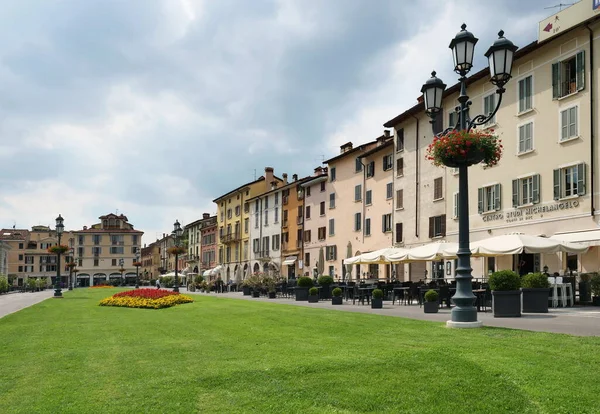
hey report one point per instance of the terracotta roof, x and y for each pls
(112, 215)
(316, 177)
(14, 234)
(352, 151)
(288, 185)
(261, 178)
(108, 231)
(383, 146)
(199, 221)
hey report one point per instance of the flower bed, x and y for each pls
(100, 286)
(462, 147)
(146, 298)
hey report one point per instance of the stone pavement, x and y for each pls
(14, 302)
(580, 321)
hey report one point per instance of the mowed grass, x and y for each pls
(232, 356)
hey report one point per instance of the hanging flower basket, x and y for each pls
(71, 265)
(60, 249)
(137, 263)
(176, 250)
(458, 148)
(122, 270)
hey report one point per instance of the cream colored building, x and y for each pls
(315, 219)
(546, 181)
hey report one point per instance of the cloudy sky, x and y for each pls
(153, 108)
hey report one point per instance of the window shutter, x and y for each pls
(456, 205)
(443, 225)
(521, 139)
(383, 223)
(536, 189)
(372, 168)
(480, 200)
(398, 232)
(431, 224)
(555, 80)
(384, 163)
(581, 179)
(580, 70)
(356, 193)
(515, 193)
(557, 186)
(335, 252)
(498, 197)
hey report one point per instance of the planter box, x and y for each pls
(272, 295)
(325, 292)
(585, 293)
(376, 303)
(507, 304)
(431, 307)
(535, 300)
(246, 290)
(255, 294)
(313, 299)
(301, 293)
(337, 300)
(596, 301)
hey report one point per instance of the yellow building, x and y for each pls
(233, 223)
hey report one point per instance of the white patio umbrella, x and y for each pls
(509, 244)
(380, 256)
(426, 253)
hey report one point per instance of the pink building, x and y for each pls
(315, 220)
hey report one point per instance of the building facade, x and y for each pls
(292, 227)
(4, 250)
(208, 242)
(315, 220)
(150, 261)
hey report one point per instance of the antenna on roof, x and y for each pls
(561, 5)
(255, 174)
(117, 213)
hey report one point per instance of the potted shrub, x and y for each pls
(255, 283)
(303, 284)
(337, 296)
(313, 295)
(595, 287)
(325, 282)
(506, 296)
(269, 284)
(377, 299)
(585, 291)
(431, 304)
(246, 288)
(535, 289)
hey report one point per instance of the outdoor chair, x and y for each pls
(413, 293)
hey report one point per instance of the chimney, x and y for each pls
(295, 177)
(273, 185)
(346, 147)
(85, 227)
(318, 171)
(268, 177)
(420, 99)
(386, 133)
(381, 140)
(284, 175)
(205, 215)
(164, 235)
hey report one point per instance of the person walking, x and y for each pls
(157, 284)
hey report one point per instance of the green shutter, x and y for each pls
(456, 205)
(383, 223)
(480, 200)
(580, 70)
(431, 225)
(443, 225)
(515, 193)
(555, 80)
(536, 188)
(581, 179)
(498, 197)
(557, 182)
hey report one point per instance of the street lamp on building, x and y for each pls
(500, 58)
(177, 250)
(137, 264)
(59, 249)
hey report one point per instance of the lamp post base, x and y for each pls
(58, 294)
(464, 325)
(176, 289)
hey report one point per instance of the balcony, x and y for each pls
(299, 220)
(300, 195)
(263, 255)
(298, 244)
(284, 223)
(230, 237)
(285, 200)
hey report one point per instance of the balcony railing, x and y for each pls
(230, 237)
(284, 223)
(299, 220)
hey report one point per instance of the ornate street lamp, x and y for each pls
(75, 271)
(122, 270)
(59, 249)
(137, 264)
(71, 265)
(500, 57)
(177, 250)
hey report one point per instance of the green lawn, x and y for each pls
(228, 356)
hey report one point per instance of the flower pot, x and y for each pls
(301, 293)
(596, 301)
(272, 295)
(376, 303)
(313, 299)
(507, 303)
(535, 300)
(431, 307)
(585, 293)
(471, 158)
(255, 294)
(246, 290)
(325, 292)
(337, 300)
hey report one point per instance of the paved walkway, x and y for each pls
(14, 302)
(580, 321)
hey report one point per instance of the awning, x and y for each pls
(588, 237)
(289, 261)
(206, 273)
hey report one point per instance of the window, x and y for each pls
(247, 224)
(276, 214)
(255, 245)
(97, 239)
(246, 206)
(455, 206)
(322, 186)
(438, 192)
(452, 119)
(437, 226)
(489, 104)
(307, 236)
(399, 236)
(114, 262)
(331, 227)
(96, 262)
(569, 181)
(229, 212)
(256, 219)
(275, 242)
(358, 166)
(357, 221)
(332, 200)
(399, 198)
(367, 227)
(526, 191)
(438, 124)
(331, 252)
(526, 138)
(117, 240)
(388, 162)
(332, 174)
(386, 223)
(266, 202)
(276, 197)
(266, 217)
(307, 191)
(358, 192)
(368, 197)
(322, 231)
(400, 139)
(237, 210)
(568, 76)
(307, 212)
(81, 239)
(371, 169)
(116, 250)
(265, 246)
(20, 257)
(322, 208)
(568, 123)
(525, 94)
(389, 191)
(400, 167)
(307, 259)
(80, 251)
(488, 198)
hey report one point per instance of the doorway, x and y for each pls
(524, 263)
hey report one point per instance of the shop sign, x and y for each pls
(529, 213)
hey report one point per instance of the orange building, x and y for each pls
(292, 227)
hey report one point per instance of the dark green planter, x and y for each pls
(506, 304)
(272, 295)
(313, 299)
(596, 301)
(337, 300)
(255, 294)
(535, 300)
(301, 293)
(376, 303)
(246, 290)
(431, 307)
(585, 293)
(325, 292)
